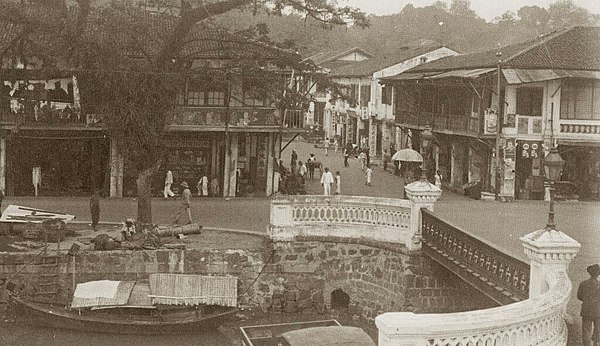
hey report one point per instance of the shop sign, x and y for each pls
(531, 149)
(187, 143)
(490, 119)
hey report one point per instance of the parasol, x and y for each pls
(408, 155)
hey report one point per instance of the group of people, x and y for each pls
(202, 187)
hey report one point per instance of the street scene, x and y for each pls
(299, 173)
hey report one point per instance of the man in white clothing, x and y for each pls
(326, 181)
(168, 182)
(202, 186)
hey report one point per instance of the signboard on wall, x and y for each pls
(490, 119)
(530, 149)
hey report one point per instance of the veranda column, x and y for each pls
(421, 194)
(3, 164)
(116, 170)
(548, 250)
(270, 163)
(231, 158)
(372, 137)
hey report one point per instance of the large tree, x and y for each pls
(131, 61)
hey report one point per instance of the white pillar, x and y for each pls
(548, 250)
(232, 163)
(421, 194)
(372, 133)
(270, 163)
(116, 170)
(3, 164)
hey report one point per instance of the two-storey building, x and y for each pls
(223, 124)
(545, 95)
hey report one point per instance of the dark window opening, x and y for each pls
(529, 101)
(339, 299)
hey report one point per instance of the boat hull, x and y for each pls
(62, 318)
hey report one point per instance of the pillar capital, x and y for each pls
(422, 192)
(550, 246)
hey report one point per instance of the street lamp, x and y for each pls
(426, 137)
(553, 165)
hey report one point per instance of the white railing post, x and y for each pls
(281, 220)
(549, 251)
(421, 194)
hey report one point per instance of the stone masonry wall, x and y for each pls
(298, 276)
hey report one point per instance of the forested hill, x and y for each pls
(456, 26)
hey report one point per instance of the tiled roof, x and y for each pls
(369, 66)
(328, 56)
(575, 48)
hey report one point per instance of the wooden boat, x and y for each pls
(172, 303)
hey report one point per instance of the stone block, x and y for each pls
(408, 280)
(290, 307)
(352, 252)
(333, 253)
(419, 282)
(366, 252)
(323, 255)
(291, 257)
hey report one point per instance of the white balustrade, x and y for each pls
(539, 320)
(383, 219)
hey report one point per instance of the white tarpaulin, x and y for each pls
(102, 293)
(21, 214)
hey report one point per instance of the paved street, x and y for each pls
(497, 223)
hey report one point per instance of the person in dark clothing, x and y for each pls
(589, 294)
(294, 160)
(346, 156)
(95, 209)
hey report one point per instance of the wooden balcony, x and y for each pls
(217, 118)
(444, 123)
(59, 115)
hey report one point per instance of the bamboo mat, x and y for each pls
(186, 289)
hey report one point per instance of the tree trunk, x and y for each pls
(144, 197)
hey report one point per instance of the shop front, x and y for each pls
(581, 172)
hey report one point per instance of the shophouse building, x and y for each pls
(222, 124)
(516, 102)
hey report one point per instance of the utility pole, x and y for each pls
(499, 120)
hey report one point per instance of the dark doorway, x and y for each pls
(339, 299)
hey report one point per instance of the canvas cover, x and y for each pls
(189, 289)
(101, 293)
(328, 336)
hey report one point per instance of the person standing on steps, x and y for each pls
(326, 181)
(589, 294)
(168, 182)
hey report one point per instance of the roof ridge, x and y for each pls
(542, 40)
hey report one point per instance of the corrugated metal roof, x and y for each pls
(520, 76)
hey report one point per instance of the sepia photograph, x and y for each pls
(300, 172)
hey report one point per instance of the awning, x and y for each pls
(352, 114)
(473, 73)
(470, 73)
(520, 76)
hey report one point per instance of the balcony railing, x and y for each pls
(55, 114)
(463, 124)
(238, 117)
(579, 129)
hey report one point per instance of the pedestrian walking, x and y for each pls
(326, 181)
(2, 195)
(386, 159)
(311, 165)
(168, 182)
(338, 183)
(326, 146)
(438, 179)
(589, 294)
(185, 207)
(214, 186)
(36, 179)
(369, 175)
(335, 145)
(294, 160)
(301, 171)
(362, 157)
(346, 156)
(95, 209)
(202, 186)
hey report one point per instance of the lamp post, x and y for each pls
(426, 137)
(553, 165)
